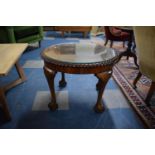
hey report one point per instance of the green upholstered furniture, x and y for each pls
(21, 34)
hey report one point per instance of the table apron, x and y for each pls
(78, 70)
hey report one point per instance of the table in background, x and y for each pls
(9, 55)
(79, 58)
(84, 29)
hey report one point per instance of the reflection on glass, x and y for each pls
(79, 53)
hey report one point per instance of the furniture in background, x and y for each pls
(115, 34)
(130, 51)
(9, 55)
(79, 58)
(145, 41)
(97, 30)
(84, 29)
(48, 28)
(21, 34)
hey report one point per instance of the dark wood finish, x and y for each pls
(80, 68)
(111, 43)
(98, 84)
(50, 75)
(113, 36)
(106, 41)
(39, 44)
(62, 82)
(103, 79)
(130, 52)
(102, 71)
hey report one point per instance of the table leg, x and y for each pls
(150, 93)
(98, 85)
(128, 53)
(129, 50)
(62, 34)
(20, 72)
(85, 34)
(4, 105)
(103, 79)
(50, 75)
(136, 79)
(62, 82)
(22, 78)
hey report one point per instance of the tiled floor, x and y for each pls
(42, 99)
(28, 102)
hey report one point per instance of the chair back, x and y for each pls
(145, 42)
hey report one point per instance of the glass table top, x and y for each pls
(78, 53)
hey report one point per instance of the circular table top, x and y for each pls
(79, 58)
(78, 53)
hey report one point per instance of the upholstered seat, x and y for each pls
(21, 34)
(116, 34)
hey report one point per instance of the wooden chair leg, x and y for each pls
(39, 44)
(106, 41)
(150, 93)
(123, 44)
(111, 43)
(136, 79)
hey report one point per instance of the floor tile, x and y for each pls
(43, 98)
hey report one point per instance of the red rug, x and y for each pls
(124, 73)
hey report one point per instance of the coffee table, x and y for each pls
(9, 55)
(79, 58)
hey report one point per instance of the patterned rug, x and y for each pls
(124, 74)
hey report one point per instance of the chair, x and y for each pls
(21, 34)
(145, 42)
(116, 34)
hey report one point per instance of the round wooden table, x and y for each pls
(79, 58)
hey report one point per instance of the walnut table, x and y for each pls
(9, 55)
(79, 58)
